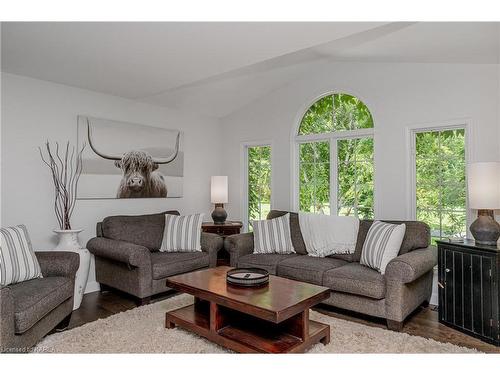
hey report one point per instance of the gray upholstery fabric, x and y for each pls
(295, 233)
(58, 263)
(307, 268)
(33, 308)
(269, 262)
(133, 280)
(238, 245)
(360, 304)
(356, 279)
(410, 266)
(211, 243)
(169, 264)
(120, 251)
(35, 298)
(144, 230)
(401, 299)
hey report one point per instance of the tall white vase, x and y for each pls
(68, 239)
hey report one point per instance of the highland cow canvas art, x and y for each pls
(126, 160)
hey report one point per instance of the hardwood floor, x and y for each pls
(423, 322)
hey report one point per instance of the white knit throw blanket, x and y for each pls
(326, 235)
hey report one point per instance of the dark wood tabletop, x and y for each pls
(275, 302)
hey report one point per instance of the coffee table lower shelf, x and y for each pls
(247, 334)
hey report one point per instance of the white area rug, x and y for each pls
(141, 330)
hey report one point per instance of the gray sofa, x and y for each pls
(127, 257)
(406, 284)
(31, 309)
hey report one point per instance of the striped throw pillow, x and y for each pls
(273, 236)
(18, 261)
(382, 244)
(182, 233)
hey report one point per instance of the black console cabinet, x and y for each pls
(469, 288)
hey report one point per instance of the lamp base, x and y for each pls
(219, 214)
(485, 229)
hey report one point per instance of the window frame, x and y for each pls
(412, 131)
(332, 138)
(244, 178)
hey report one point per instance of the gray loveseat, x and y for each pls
(127, 257)
(31, 309)
(407, 282)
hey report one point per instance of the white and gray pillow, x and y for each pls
(273, 236)
(182, 233)
(382, 244)
(18, 261)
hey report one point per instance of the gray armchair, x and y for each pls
(127, 257)
(31, 309)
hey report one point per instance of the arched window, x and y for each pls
(334, 145)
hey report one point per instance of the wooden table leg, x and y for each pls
(298, 325)
(217, 317)
(326, 340)
(168, 323)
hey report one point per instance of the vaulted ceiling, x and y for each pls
(217, 68)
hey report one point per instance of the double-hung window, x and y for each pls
(439, 176)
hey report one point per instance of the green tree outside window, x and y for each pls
(259, 182)
(440, 182)
(332, 115)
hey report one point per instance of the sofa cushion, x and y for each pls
(269, 262)
(298, 242)
(36, 298)
(354, 278)
(144, 230)
(307, 268)
(169, 264)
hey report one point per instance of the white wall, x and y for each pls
(398, 95)
(34, 111)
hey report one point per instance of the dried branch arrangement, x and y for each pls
(66, 170)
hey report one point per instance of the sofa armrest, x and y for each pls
(211, 243)
(120, 251)
(6, 318)
(410, 266)
(58, 263)
(238, 245)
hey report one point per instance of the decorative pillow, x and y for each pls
(18, 261)
(272, 236)
(382, 244)
(182, 233)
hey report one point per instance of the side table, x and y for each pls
(82, 275)
(224, 230)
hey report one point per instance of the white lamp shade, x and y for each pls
(484, 185)
(218, 192)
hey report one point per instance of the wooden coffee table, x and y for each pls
(269, 319)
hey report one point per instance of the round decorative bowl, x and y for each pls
(247, 277)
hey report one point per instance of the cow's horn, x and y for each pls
(170, 158)
(91, 144)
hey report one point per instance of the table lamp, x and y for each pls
(218, 195)
(484, 195)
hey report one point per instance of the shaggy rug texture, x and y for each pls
(141, 330)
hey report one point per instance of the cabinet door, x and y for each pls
(466, 299)
(482, 295)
